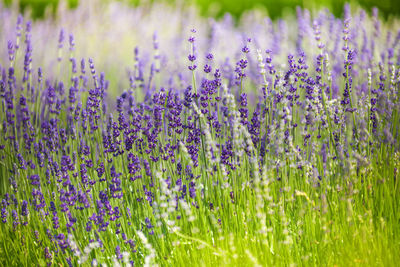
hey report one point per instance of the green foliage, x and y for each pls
(236, 7)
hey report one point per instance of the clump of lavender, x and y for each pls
(219, 155)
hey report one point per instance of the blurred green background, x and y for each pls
(217, 8)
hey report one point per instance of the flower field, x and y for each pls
(155, 136)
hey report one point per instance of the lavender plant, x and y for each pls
(266, 143)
